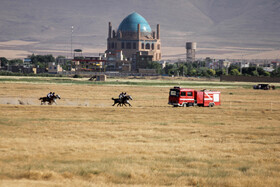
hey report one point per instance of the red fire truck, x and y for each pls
(190, 97)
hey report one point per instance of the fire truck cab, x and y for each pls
(189, 97)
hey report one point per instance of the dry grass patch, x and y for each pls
(149, 144)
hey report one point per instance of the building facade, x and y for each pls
(134, 34)
(54, 68)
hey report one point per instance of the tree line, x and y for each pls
(40, 61)
(174, 69)
(199, 69)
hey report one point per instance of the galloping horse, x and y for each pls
(51, 100)
(122, 101)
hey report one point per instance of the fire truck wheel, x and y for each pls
(185, 105)
(211, 104)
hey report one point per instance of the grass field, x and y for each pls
(84, 141)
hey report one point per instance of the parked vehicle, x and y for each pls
(264, 87)
(189, 97)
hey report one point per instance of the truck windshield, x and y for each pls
(174, 92)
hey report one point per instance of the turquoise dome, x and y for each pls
(130, 23)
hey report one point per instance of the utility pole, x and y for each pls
(241, 62)
(72, 29)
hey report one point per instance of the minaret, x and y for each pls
(158, 31)
(114, 34)
(110, 30)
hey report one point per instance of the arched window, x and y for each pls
(113, 45)
(153, 46)
(147, 46)
(143, 46)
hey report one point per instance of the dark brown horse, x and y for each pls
(122, 101)
(50, 100)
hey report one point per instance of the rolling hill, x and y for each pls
(221, 27)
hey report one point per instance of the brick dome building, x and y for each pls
(133, 35)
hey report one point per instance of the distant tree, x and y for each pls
(251, 71)
(255, 73)
(192, 72)
(266, 74)
(220, 72)
(211, 72)
(155, 65)
(60, 57)
(261, 71)
(41, 60)
(245, 71)
(275, 73)
(231, 67)
(170, 69)
(202, 71)
(4, 61)
(15, 62)
(183, 70)
(234, 72)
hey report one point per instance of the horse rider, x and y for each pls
(121, 95)
(53, 94)
(49, 95)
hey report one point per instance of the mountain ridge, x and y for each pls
(213, 24)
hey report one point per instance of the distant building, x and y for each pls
(89, 63)
(275, 64)
(223, 64)
(143, 58)
(20, 69)
(27, 62)
(134, 34)
(54, 68)
(268, 69)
